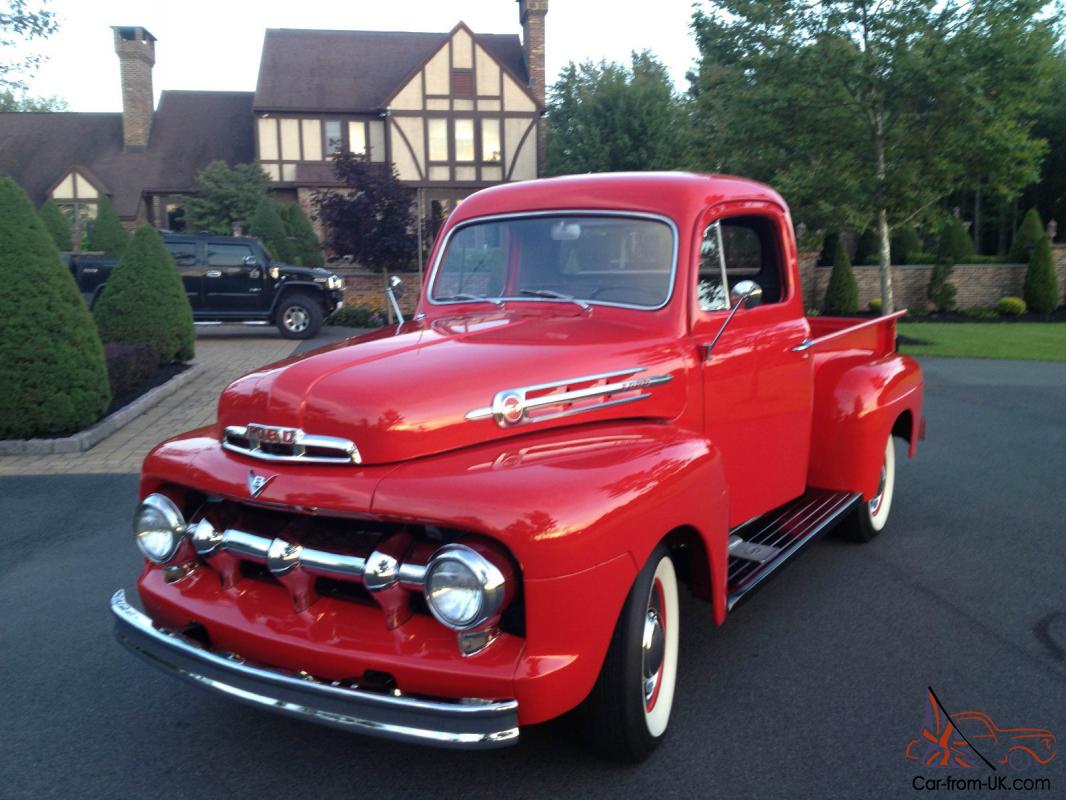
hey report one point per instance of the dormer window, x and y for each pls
(78, 198)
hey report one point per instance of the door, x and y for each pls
(758, 391)
(187, 258)
(234, 280)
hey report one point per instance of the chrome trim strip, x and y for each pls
(349, 453)
(467, 723)
(564, 212)
(514, 402)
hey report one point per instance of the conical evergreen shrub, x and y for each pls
(266, 225)
(1025, 238)
(107, 234)
(302, 236)
(842, 294)
(56, 223)
(144, 301)
(52, 370)
(1041, 290)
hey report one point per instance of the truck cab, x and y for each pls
(481, 518)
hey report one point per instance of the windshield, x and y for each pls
(584, 258)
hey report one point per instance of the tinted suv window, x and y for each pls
(184, 253)
(227, 255)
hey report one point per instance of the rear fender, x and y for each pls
(858, 403)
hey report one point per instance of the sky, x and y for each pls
(215, 44)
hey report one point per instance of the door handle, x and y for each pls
(213, 273)
(806, 344)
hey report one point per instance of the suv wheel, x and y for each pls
(299, 316)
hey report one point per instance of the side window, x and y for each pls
(227, 255)
(184, 253)
(738, 249)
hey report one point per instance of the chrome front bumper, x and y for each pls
(466, 724)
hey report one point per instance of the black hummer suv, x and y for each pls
(233, 279)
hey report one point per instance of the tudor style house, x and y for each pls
(452, 112)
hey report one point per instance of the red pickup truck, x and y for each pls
(479, 519)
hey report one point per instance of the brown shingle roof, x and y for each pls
(189, 130)
(354, 71)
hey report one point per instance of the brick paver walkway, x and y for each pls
(224, 356)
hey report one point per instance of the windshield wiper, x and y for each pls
(476, 298)
(549, 294)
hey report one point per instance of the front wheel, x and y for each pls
(299, 316)
(871, 517)
(627, 712)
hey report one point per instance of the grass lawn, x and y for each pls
(1028, 341)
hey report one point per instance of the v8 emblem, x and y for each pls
(256, 483)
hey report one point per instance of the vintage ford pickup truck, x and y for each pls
(479, 519)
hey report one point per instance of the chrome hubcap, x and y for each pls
(875, 501)
(296, 319)
(653, 650)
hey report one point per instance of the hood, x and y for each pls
(428, 388)
(304, 273)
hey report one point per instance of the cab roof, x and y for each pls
(677, 195)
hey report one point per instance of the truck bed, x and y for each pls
(875, 335)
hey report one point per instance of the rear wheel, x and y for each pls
(628, 710)
(299, 316)
(871, 517)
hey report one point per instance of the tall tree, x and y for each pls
(871, 111)
(373, 219)
(12, 101)
(608, 117)
(22, 21)
(107, 234)
(225, 196)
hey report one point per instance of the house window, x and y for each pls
(490, 140)
(78, 199)
(357, 138)
(438, 140)
(462, 83)
(334, 139)
(464, 140)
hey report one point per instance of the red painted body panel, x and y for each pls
(578, 502)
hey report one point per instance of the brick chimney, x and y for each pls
(136, 56)
(531, 13)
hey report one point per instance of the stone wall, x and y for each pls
(976, 284)
(365, 288)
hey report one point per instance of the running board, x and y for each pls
(759, 548)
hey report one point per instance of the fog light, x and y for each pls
(159, 528)
(463, 588)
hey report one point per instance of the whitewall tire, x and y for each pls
(871, 516)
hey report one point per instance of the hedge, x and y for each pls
(144, 301)
(57, 225)
(107, 234)
(1041, 290)
(267, 226)
(1025, 238)
(51, 360)
(842, 294)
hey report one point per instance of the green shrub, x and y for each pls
(941, 290)
(144, 301)
(1041, 290)
(842, 294)
(905, 243)
(357, 316)
(51, 361)
(875, 305)
(1010, 306)
(1025, 238)
(954, 245)
(56, 223)
(267, 226)
(107, 234)
(979, 312)
(302, 237)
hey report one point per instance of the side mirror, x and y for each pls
(394, 290)
(748, 293)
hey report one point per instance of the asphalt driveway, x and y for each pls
(810, 690)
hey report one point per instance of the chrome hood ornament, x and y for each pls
(272, 443)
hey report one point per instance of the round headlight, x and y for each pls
(463, 588)
(159, 528)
